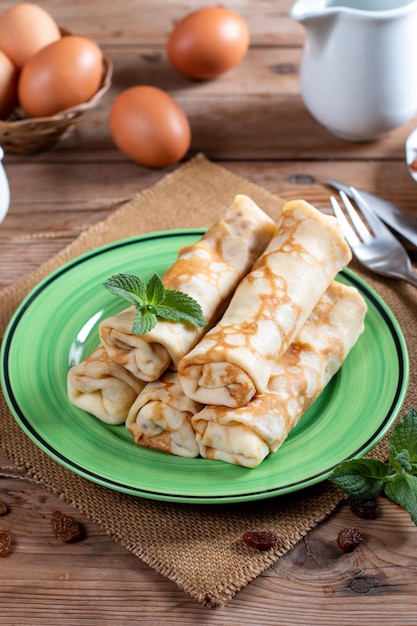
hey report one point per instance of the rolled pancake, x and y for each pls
(246, 435)
(234, 360)
(208, 271)
(103, 388)
(160, 418)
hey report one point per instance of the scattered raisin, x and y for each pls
(3, 508)
(261, 540)
(367, 509)
(5, 542)
(65, 527)
(348, 539)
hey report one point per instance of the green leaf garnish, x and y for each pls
(402, 489)
(362, 479)
(367, 478)
(153, 301)
(404, 440)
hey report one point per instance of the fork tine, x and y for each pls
(382, 253)
(373, 220)
(356, 220)
(347, 229)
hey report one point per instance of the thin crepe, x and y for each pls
(103, 388)
(246, 435)
(208, 271)
(160, 418)
(234, 360)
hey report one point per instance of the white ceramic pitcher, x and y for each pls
(359, 65)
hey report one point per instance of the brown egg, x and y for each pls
(8, 86)
(149, 126)
(66, 73)
(208, 42)
(24, 29)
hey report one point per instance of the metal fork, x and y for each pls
(372, 244)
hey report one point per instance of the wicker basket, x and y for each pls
(23, 135)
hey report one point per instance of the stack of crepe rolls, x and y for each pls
(235, 359)
(246, 435)
(103, 388)
(281, 333)
(107, 383)
(208, 271)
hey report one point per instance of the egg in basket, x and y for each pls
(48, 88)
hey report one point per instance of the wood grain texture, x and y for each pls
(253, 122)
(98, 581)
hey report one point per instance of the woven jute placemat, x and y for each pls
(199, 547)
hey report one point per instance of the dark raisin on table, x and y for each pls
(5, 541)
(261, 540)
(367, 509)
(349, 538)
(65, 527)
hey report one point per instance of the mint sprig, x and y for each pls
(152, 301)
(367, 478)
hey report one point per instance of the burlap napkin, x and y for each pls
(198, 547)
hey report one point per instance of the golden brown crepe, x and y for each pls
(160, 418)
(208, 271)
(234, 360)
(246, 435)
(103, 388)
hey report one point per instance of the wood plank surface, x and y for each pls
(97, 581)
(252, 121)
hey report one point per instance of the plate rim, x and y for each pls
(354, 279)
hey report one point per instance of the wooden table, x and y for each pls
(252, 121)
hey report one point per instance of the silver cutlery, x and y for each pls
(402, 223)
(371, 242)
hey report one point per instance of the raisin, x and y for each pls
(367, 509)
(3, 508)
(5, 542)
(65, 527)
(261, 540)
(348, 539)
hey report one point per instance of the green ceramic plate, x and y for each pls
(56, 327)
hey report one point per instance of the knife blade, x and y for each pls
(4, 189)
(402, 223)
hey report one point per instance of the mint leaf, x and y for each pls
(143, 322)
(404, 437)
(153, 301)
(402, 489)
(155, 290)
(361, 479)
(180, 307)
(402, 461)
(129, 287)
